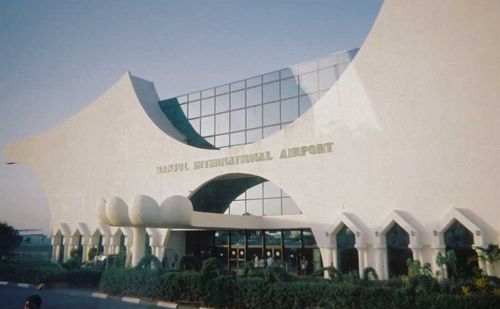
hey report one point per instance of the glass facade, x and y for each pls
(240, 113)
(237, 248)
(251, 106)
(248, 110)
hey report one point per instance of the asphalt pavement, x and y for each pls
(14, 297)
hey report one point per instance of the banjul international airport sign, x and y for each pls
(285, 153)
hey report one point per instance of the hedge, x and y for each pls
(227, 291)
(51, 273)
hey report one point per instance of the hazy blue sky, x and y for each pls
(58, 56)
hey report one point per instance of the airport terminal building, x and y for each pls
(365, 157)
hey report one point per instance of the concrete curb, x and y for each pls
(19, 285)
(134, 300)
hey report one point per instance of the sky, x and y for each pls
(56, 57)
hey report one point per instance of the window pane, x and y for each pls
(326, 78)
(237, 208)
(272, 207)
(271, 77)
(254, 117)
(222, 103)
(305, 103)
(341, 68)
(254, 238)
(237, 85)
(285, 73)
(222, 140)
(195, 123)
(289, 88)
(254, 81)
(238, 138)
(255, 191)
(237, 99)
(254, 96)
(194, 109)
(254, 135)
(254, 207)
(309, 83)
(208, 93)
(184, 108)
(270, 130)
(221, 238)
(289, 207)
(271, 113)
(194, 96)
(238, 238)
(207, 106)
(271, 92)
(237, 120)
(271, 190)
(207, 126)
(222, 89)
(273, 238)
(292, 238)
(308, 238)
(211, 140)
(327, 61)
(310, 66)
(182, 99)
(222, 123)
(289, 110)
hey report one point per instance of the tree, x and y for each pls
(9, 239)
(491, 255)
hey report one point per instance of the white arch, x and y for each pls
(349, 221)
(460, 216)
(398, 217)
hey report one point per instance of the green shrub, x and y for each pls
(211, 268)
(149, 260)
(132, 282)
(369, 273)
(87, 277)
(179, 286)
(189, 262)
(71, 263)
(223, 291)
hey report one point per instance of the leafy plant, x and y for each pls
(448, 260)
(92, 253)
(490, 254)
(147, 261)
(369, 273)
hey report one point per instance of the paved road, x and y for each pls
(13, 298)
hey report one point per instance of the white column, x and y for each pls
(138, 244)
(67, 247)
(381, 262)
(159, 252)
(417, 254)
(326, 256)
(55, 252)
(361, 259)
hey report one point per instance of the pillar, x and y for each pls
(381, 262)
(138, 244)
(67, 247)
(362, 258)
(417, 254)
(326, 256)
